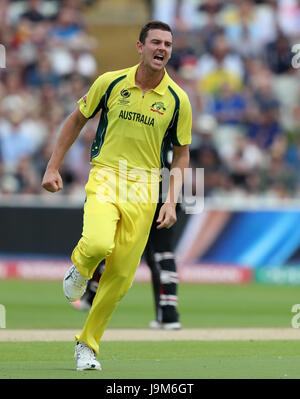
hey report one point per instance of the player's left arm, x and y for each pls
(180, 134)
(181, 158)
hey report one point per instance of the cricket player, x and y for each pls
(160, 258)
(142, 110)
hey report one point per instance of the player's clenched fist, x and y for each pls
(52, 181)
(167, 216)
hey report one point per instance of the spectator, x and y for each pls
(278, 177)
(16, 96)
(206, 156)
(204, 132)
(229, 105)
(33, 95)
(42, 74)
(181, 50)
(52, 106)
(27, 177)
(71, 90)
(288, 16)
(209, 32)
(241, 77)
(15, 141)
(67, 26)
(35, 44)
(249, 27)
(186, 78)
(210, 21)
(262, 86)
(265, 128)
(74, 57)
(219, 67)
(245, 160)
(181, 15)
(279, 55)
(33, 13)
(8, 184)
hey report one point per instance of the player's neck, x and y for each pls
(148, 79)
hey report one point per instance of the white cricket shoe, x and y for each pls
(156, 325)
(74, 284)
(85, 357)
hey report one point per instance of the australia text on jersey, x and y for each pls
(137, 117)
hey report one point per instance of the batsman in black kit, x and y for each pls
(160, 258)
(161, 261)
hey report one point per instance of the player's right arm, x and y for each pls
(88, 106)
(71, 128)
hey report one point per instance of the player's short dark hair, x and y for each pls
(153, 25)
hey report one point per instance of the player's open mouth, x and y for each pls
(159, 58)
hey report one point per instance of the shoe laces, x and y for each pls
(85, 352)
(77, 278)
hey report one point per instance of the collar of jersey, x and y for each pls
(160, 89)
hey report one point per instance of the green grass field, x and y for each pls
(170, 360)
(41, 305)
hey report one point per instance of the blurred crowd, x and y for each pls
(233, 58)
(50, 64)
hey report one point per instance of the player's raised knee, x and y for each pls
(99, 248)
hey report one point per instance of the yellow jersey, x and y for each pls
(135, 127)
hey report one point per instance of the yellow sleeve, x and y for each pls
(184, 123)
(90, 103)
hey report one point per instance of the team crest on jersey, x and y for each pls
(125, 94)
(158, 107)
